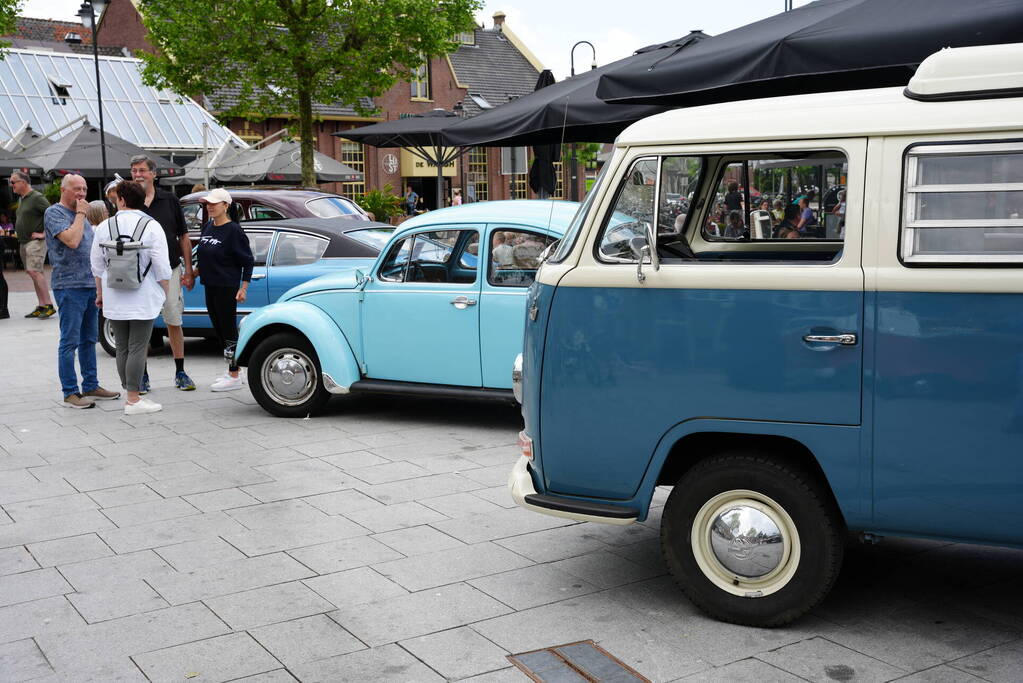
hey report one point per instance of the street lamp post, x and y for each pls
(88, 13)
(575, 161)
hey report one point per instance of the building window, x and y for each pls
(420, 82)
(467, 38)
(478, 174)
(519, 186)
(58, 90)
(354, 154)
(559, 185)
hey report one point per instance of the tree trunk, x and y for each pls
(305, 131)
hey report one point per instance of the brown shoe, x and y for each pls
(101, 394)
(76, 401)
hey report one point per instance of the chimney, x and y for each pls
(498, 20)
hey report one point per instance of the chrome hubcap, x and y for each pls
(746, 541)
(289, 376)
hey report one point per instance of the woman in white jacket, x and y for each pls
(131, 312)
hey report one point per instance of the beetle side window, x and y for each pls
(963, 203)
(446, 256)
(515, 257)
(298, 250)
(393, 267)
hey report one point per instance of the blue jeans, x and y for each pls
(78, 332)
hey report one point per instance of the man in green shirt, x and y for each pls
(31, 240)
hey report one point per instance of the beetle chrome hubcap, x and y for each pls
(289, 376)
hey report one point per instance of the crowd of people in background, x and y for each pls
(79, 238)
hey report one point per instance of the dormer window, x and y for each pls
(480, 101)
(59, 90)
(467, 38)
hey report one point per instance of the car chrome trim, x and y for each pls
(517, 378)
(333, 387)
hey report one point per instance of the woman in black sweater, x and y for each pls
(225, 268)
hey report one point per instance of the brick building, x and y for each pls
(490, 66)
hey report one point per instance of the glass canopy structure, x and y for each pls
(49, 89)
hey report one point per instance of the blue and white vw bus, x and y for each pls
(812, 325)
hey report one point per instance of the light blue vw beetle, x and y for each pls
(441, 312)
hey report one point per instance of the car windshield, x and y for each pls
(373, 237)
(332, 207)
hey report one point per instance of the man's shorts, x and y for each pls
(33, 254)
(174, 306)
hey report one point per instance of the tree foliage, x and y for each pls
(9, 10)
(278, 57)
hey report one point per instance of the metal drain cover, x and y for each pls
(580, 662)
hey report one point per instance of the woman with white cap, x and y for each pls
(225, 269)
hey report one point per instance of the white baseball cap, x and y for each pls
(217, 196)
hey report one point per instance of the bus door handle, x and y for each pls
(845, 339)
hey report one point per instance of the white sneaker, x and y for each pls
(228, 383)
(142, 407)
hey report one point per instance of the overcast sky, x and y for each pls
(549, 28)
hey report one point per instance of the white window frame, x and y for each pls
(910, 223)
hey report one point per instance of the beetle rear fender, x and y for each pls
(338, 364)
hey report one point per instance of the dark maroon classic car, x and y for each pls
(275, 203)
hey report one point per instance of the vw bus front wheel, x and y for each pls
(751, 540)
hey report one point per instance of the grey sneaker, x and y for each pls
(76, 401)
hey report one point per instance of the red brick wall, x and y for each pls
(121, 26)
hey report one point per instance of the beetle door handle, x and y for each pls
(462, 302)
(258, 276)
(846, 339)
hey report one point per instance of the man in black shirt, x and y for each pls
(164, 207)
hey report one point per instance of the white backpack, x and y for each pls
(124, 255)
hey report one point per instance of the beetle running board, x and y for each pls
(383, 386)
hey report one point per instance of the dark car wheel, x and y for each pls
(106, 335)
(285, 377)
(751, 540)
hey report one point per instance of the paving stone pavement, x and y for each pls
(213, 542)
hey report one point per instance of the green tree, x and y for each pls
(9, 10)
(278, 57)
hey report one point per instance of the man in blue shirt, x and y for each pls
(69, 240)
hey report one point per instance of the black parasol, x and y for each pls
(822, 46)
(568, 111)
(542, 180)
(422, 134)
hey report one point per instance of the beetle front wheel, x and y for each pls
(285, 376)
